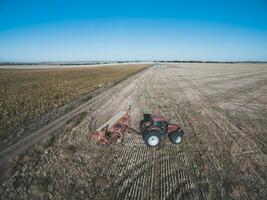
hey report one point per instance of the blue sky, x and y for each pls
(57, 30)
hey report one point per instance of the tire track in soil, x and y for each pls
(221, 118)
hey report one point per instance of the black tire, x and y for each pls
(143, 128)
(176, 137)
(152, 139)
(144, 135)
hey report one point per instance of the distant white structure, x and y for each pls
(159, 65)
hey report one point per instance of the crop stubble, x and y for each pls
(28, 95)
(222, 108)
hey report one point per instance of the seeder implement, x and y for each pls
(113, 131)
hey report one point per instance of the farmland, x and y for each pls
(221, 107)
(28, 96)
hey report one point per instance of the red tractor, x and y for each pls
(154, 128)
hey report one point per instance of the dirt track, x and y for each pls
(221, 107)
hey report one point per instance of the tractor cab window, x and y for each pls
(158, 123)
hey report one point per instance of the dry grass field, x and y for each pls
(27, 95)
(221, 107)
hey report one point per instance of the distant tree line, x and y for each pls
(108, 62)
(198, 61)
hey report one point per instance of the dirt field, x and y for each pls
(221, 107)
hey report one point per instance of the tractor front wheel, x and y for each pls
(176, 137)
(152, 139)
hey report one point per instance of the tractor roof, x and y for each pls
(157, 118)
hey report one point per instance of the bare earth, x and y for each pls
(221, 107)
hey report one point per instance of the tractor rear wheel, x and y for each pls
(152, 139)
(176, 137)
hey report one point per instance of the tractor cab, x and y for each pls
(159, 121)
(155, 126)
(155, 120)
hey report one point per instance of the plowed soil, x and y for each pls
(221, 107)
